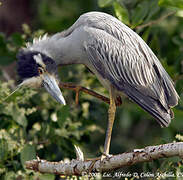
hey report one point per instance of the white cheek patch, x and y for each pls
(39, 60)
(34, 82)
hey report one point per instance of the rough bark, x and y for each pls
(80, 167)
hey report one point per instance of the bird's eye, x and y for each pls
(40, 71)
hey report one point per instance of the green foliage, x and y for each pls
(121, 13)
(172, 3)
(27, 153)
(33, 123)
(104, 3)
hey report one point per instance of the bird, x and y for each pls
(120, 59)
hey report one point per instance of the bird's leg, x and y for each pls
(118, 101)
(77, 89)
(111, 117)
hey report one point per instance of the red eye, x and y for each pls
(40, 71)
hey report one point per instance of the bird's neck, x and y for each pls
(58, 47)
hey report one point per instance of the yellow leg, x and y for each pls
(111, 117)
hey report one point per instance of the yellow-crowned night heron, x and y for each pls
(119, 58)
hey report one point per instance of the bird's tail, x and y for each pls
(151, 105)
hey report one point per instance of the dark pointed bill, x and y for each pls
(52, 87)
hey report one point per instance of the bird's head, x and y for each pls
(38, 70)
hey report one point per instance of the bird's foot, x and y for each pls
(79, 153)
(94, 160)
(104, 155)
(80, 157)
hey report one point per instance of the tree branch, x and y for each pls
(79, 167)
(155, 21)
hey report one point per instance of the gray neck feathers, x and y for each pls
(60, 47)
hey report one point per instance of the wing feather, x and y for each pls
(133, 68)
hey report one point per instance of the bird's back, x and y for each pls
(121, 57)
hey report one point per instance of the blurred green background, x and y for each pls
(31, 122)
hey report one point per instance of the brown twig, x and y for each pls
(155, 21)
(80, 167)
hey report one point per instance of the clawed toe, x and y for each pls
(80, 156)
(104, 155)
(79, 153)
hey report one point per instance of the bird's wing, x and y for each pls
(130, 66)
(133, 49)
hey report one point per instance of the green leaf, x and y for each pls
(17, 39)
(178, 40)
(27, 153)
(18, 114)
(62, 115)
(46, 177)
(5, 60)
(104, 3)
(153, 9)
(121, 13)
(126, 120)
(2, 41)
(178, 4)
(2, 169)
(10, 175)
(146, 34)
(3, 149)
(140, 13)
(179, 85)
(8, 143)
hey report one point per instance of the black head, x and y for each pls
(37, 69)
(33, 64)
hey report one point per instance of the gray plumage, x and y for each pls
(119, 57)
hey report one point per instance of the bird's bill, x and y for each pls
(53, 89)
